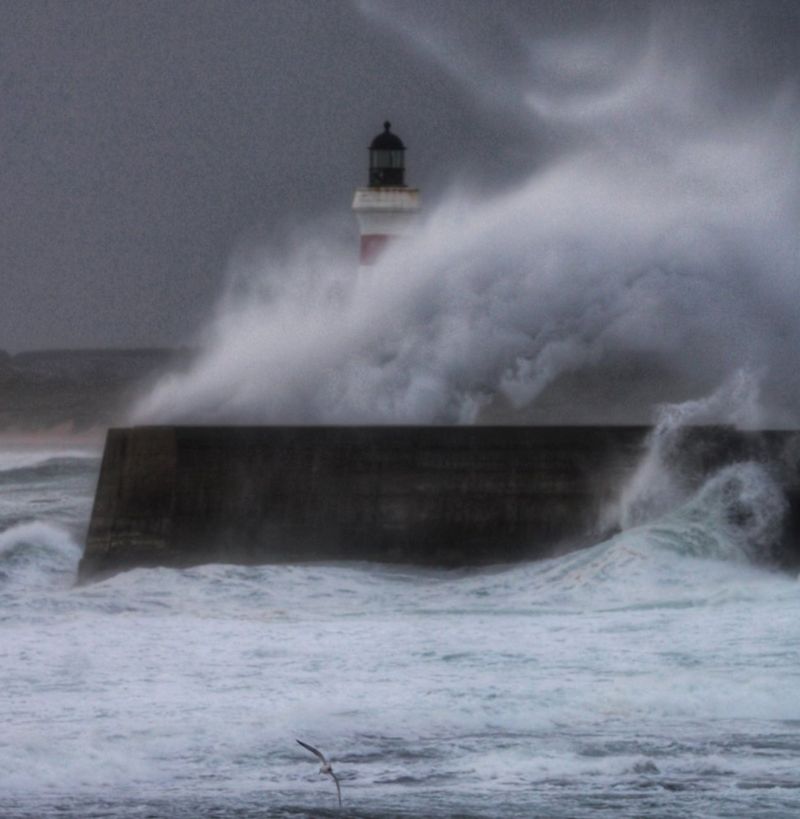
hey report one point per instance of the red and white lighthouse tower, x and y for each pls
(387, 209)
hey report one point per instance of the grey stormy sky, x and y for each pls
(139, 142)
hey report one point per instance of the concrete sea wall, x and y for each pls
(438, 496)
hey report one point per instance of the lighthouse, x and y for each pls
(387, 209)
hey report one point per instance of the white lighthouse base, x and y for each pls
(383, 214)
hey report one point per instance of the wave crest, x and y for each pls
(37, 555)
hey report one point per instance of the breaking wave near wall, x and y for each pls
(728, 529)
(682, 534)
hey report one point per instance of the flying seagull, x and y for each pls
(324, 768)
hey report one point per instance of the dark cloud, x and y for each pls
(140, 142)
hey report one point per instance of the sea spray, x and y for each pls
(663, 478)
(660, 235)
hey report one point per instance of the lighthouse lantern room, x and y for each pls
(387, 209)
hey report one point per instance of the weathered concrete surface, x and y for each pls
(443, 496)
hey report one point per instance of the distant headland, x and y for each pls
(78, 389)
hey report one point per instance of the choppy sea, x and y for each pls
(656, 674)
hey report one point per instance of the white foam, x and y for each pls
(37, 555)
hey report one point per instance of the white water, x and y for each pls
(654, 674)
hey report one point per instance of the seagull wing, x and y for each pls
(314, 751)
(338, 789)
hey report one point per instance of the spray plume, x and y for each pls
(651, 258)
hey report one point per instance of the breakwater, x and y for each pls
(437, 496)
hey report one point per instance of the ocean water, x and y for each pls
(656, 674)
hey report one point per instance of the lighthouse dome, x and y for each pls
(387, 141)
